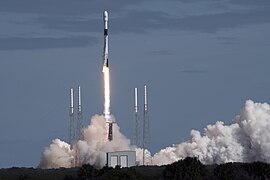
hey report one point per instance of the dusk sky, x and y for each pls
(201, 60)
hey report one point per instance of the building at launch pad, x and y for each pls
(121, 158)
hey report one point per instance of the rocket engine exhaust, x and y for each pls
(106, 76)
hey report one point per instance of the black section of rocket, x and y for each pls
(106, 40)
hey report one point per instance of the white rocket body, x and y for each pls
(106, 40)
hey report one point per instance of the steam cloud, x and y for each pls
(92, 149)
(247, 139)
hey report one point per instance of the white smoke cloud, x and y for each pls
(247, 139)
(58, 154)
(147, 156)
(92, 149)
(95, 145)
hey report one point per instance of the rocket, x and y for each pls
(106, 40)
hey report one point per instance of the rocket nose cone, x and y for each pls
(105, 15)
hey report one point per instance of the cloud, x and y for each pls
(71, 24)
(226, 40)
(63, 7)
(85, 16)
(139, 21)
(26, 43)
(246, 139)
(161, 52)
(74, 18)
(209, 23)
(261, 3)
(193, 71)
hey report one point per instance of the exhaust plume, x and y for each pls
(245, 140)
(58, 154)
(106, 74)
(92, 149)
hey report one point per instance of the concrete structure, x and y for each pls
(121, 158)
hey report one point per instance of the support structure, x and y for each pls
(137, 130)
(146, 128)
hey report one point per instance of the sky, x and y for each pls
(201, 60)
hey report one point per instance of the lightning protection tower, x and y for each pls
(78, 127)
(72, 125)
(146, 129)
(79, 115)
(137, 130)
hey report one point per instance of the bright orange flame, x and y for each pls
(106, 73)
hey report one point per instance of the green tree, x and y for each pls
(87, 172)
(23, 177)
(258, 170)
(188, 168)
(231, 171)
(118, 173)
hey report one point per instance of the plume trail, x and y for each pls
(246, 139)
(106, 74)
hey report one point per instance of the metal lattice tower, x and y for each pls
(72, 125)
(78, 128)
(137, 130)
(79, 135)
(146, 129)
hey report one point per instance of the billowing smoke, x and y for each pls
(92, 149)
(95, 144)
(247, 139)
(58, 154)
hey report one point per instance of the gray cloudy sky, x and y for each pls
(201, 60)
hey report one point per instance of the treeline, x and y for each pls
(192, 168)
(186, 169)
